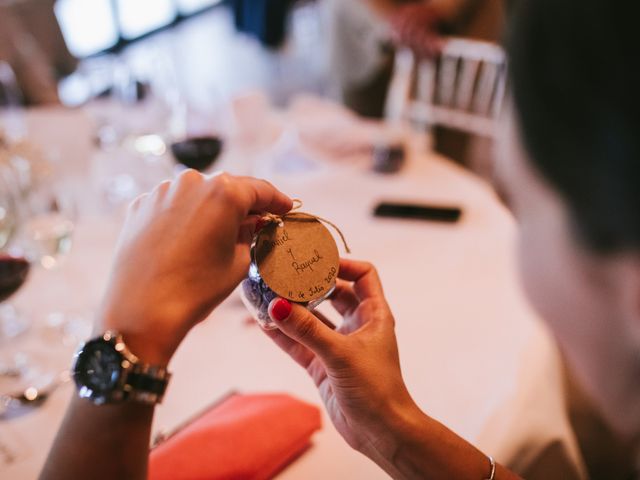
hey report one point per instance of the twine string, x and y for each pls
(297, 205)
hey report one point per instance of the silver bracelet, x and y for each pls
(492, 475)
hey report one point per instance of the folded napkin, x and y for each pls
(244, 437)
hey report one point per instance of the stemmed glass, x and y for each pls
(133, 125)
(40, 233)
(15, 366)
(203, 124)
(13, 269)
(46, 237)
(13, 175)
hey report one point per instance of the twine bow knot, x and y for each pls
(297, 205)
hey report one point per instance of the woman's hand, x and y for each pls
(355, 367)
(416, 26)
(183, 249)
(357, 371)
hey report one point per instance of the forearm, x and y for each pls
(101, 442)
(420, 447)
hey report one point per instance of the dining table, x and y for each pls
(474, 354)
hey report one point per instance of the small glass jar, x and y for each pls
(256, 296)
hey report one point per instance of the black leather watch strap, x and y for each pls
(147, 383)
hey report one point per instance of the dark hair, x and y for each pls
(575, 74)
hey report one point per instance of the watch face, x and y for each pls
(98, 369)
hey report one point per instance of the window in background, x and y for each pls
(88, 26)
(137, 17)
(187, 7)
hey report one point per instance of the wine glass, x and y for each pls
(13, 273)
(25, 366)
(47, 237)
(13, 269)
(204, 120)
(133, 129)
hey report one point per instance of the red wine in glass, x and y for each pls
(13, 274)
(198, 153)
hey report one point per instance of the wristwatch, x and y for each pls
(105, 371)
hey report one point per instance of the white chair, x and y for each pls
(463, 89)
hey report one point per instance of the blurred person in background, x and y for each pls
(362, 34)
(362, 39)
(32, 44)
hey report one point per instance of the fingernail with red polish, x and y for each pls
(280, 309)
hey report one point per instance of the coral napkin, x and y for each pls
(244, 437)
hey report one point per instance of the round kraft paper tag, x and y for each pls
(299, 259)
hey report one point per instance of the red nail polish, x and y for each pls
(280, 309)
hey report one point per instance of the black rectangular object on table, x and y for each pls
(433, 213)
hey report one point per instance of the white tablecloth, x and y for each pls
(463, 325)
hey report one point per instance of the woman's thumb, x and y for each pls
(301, 325)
